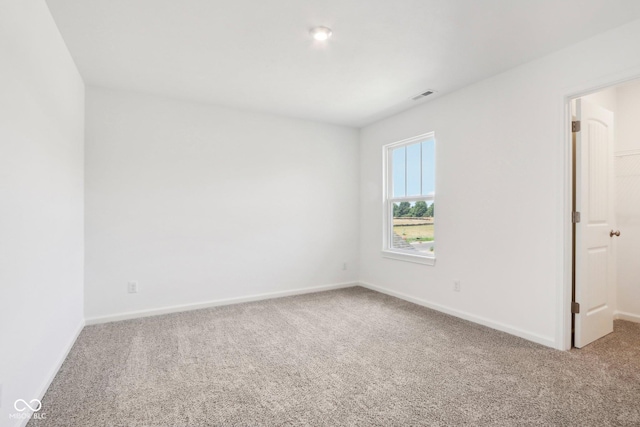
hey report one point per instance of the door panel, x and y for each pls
(595, 272)
(598, 173)
(597, 261)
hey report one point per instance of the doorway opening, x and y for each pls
(606, 211)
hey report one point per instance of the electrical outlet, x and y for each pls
(344, 266)
(132, 287)
(456, 285)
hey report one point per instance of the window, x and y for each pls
(409, 193)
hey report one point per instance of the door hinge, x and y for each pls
(575, 217)
(575, 126)
(575, 307)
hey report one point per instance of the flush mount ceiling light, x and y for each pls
(320, 33)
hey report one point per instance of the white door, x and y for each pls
(595, 263)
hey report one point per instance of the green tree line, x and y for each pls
(419, 209)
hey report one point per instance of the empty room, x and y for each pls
(223, 213)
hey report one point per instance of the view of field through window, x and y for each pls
(413, 226)
(413, 182)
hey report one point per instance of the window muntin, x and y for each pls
(410, 197)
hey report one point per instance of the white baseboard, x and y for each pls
(54, 371)
(549, 342)
(214, 303)
(626, 316)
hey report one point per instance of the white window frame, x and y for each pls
(388, 251)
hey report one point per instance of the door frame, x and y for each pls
(564, 294)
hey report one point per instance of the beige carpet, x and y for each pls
(347, 357)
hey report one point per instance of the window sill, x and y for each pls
(402, 256)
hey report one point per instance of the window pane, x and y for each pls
(413, 224)
(428, 167)
(413, 169)
(398, 156)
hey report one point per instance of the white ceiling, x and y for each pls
(258, 55)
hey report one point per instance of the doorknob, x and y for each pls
(614, 233)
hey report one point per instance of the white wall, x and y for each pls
(628, 200)
(41, 202)
(628, 123)
(201, 203)
(500, 192)
(606, 98)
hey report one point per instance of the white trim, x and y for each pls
(546, 341)
(402, 256)
(214, 303)
(388, 200)
(427, 198)
(407, 141)
(54, 371)
(627, 153)
(564, 290)
(626, 316)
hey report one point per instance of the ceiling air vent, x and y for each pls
(423, 95)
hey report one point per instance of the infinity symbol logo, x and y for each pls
(25, 405)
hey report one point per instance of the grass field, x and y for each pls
(412, 221)
(415, 233)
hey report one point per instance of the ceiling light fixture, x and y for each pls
(320, 33)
